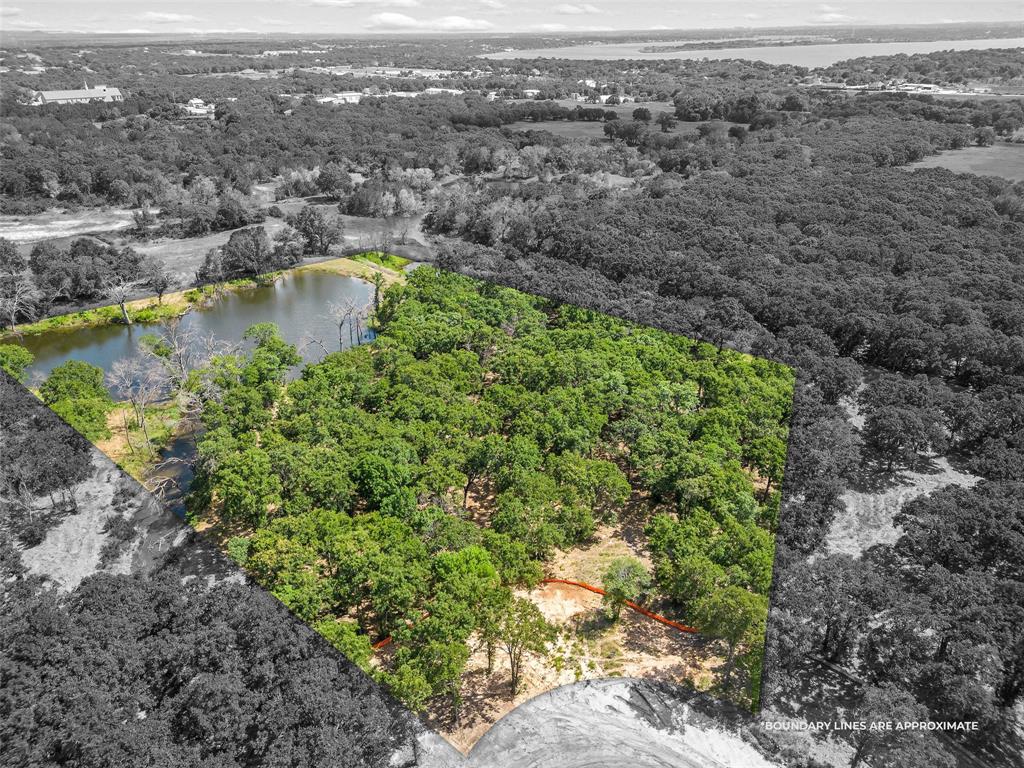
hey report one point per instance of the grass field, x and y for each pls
(579, 129)
(1003, 159)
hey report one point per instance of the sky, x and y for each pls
(487, 16)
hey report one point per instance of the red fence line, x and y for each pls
(629, 604)
(597, 590)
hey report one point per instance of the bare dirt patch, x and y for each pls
(868, 515)
(54, 224)
(588, 647)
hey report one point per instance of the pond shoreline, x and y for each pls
(161, 458)
(151, 310)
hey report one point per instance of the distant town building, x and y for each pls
(199, 108)
(81, 96)
(345, 97)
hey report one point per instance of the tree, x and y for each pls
(886, 703)
(248, 252)
(141, 382)
(14, 359)
(643, 114)
(289, 246)
(119, 289)
(156, 276)
(248, 487)
(377, 278)
(12, 263)
(75, 392)
(319, 232)
(734, 615)
(18, 295)
(73, 380)
(666, 121)
(346, 637)
(985, 136)
(522, 628)
(142, 221)
(334, 181)
(625, 579)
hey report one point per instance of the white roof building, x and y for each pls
(80, 96)
(345, 97)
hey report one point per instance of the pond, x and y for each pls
(297, 303)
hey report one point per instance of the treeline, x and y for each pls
(149, 157)
(413, 483)
(1004, 66)
(86, 271)
(49, 159)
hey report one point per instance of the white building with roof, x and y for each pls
(80, 96)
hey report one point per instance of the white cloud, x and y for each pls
(25, 26)
(831, 18)
(10, 11)
(549, 27)
(460, 24)
(495, 4)
(222, 31)
(830, 14)
(158, 17)
(355, 3)
(576, 9)
(399, 22)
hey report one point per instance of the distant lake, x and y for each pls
(819, 55)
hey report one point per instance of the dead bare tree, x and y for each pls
(342, 314)
(119, 289)
(142, 383)
(378, 282)
(18, 297)
(387, 239)
(359, 316)
(160, 483)
(310, 341)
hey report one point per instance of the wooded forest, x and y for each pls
(747, 209)
(404, 488)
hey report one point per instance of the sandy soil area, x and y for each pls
(588, 646)
(58, 223)
(613, 723)
(71, 550)
(868, 515)
(869, 510)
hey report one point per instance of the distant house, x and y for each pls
(199, 108)
(344, 97)
(81, 96)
